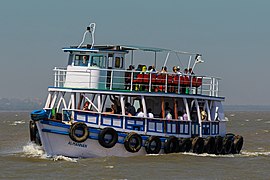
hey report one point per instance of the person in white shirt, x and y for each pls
(139, 113)
(149, 113)
(185, 116)
(168, 115)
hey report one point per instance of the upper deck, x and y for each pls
(137, 81)
(103, 67)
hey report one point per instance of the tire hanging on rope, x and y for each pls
(185, 145)
(218, 145)
(171, 145)
(227, 145)
(152, 145)
(107, 137)
(197, 145)
(133, 142)
(78, 137)
(209, 145)
(237, 144)
(34, 135)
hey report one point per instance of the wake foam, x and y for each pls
(254, 154)
(15, 123)
(32, 150)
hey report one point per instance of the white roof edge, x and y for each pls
(80, 49)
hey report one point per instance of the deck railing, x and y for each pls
(112, 79)
(151, 126)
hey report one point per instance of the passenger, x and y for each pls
(139, 67)
(203, 116)
(175, 69)
(86, 106)
(163, 69)
(130, 110)
(149, 113)
(167, 107)
(153, 68)
(185, 116)
(117, 103)
(190, 71)
(149, 69)
(139, 113)
(113, 109)
(168, 115)
(178, 71)
(144, 68)
(185, 72)
(128, 76)
(85, 61)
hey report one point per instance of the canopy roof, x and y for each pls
(98, 48)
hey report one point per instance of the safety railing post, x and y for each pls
(111, 81)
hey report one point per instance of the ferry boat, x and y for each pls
(100, 105)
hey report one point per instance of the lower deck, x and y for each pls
(146, 126)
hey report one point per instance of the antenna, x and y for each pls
(91, 30)
(198, 59)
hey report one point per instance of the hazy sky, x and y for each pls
(233, 36)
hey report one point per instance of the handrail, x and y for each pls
(139, 81)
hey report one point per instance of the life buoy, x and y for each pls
(197, 145)
(39, 115)
(237, 144)
(218, 145)
(107, 137)
(133, 142)
(152, 145)
(78, 137)
(184, 144)
(171, 145)
(227, 145)
(209, 145)
(34, 135)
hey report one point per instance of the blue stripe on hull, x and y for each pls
(91, 130)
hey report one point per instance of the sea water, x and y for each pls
(21, 159)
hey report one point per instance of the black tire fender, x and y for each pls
(171, 145)
(149, 145)
(197, 145)
(32, 129)
(237, 144)
(133, 142)
(227, 145)
(102, 137)
(184, 145)
(218, 145)
(78, 126)
(209, 145)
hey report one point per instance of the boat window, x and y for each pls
(81, 60)
(137, 104)
(98, 61)
(118, 62)
(110, 61)
(70, 59)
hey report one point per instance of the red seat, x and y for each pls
(186, 81)
(161, 78)
(153, 78)
(139, 79)
(146, 78)
(170, 79)
(196, 82)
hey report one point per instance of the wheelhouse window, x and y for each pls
(98, 61)
(81, 60)
(118, 62)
